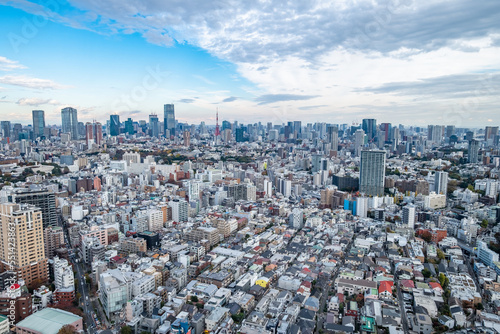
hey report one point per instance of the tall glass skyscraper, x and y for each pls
(372, 173)
(69, 118)
(169, 119)
(369, 126)
(114, 125)
(38, 123)
(154, 126)
(6, 129)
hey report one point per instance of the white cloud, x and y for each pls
(29, 82)
(332, 51)
(9, 65)
(36, 101)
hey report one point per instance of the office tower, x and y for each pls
(386, 128)
(98, 133)
(187, 138)
(297, 127)
(372, 173)
(490, 132)
(441, 182)
(41, 198)
(473, 155)
(179, 210)
(129, 126)
(169, 119)
(491, 136)
(435, 133)
(89, 134)
(114, 125)
(21, 243)
(38, 123)
(226, 125)
(359, 141)
(369, 126)
(69, 118)
(17, 129)
(409, 216)
(333, 137)
(450, 131)
(6, 129)
(154, 129)
(469, 135)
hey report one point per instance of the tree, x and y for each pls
(440, 254)
(67, 329)
(479, 306)
(194, 299)
(426, 272)
(484, 223)
(126, 330)
(443, 280)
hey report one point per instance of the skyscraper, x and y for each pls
(369, 126)
(473, 155)
(372, 173)
(22, 247)
(41, 198)
(441, 182)
(6, 129)
(154, 126)
(114, 125)
(332, 133)
(69, 118)
(38, 123)
(129, 126)
(169, 119)
(409, 216)
(359, 140)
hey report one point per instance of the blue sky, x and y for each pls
(401, 62)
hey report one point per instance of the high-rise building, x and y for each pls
(187, 138)
(369, 126)
(296, 218)
(53, 237)
(169, 119)
(490, 132)
(114, 125)
(179, 210)
(38, 123)
(69, 118)
(473, 155)
(359, 141)
(386, 128)
(129, 126)
(372, 173)
(6, 129)
(154, 128)
(441, 182)
(42, 199)
(21, 242)
(333, 137)
(409, 216)
(89, 134)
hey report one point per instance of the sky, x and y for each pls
(400, 61)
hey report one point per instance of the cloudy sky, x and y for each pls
(400, 61)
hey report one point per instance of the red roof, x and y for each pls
(435, 285)
(307, 284)
(15, 286)
(407, 283)
(385, 286)
(340, 296)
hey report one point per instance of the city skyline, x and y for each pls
(350, 61)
